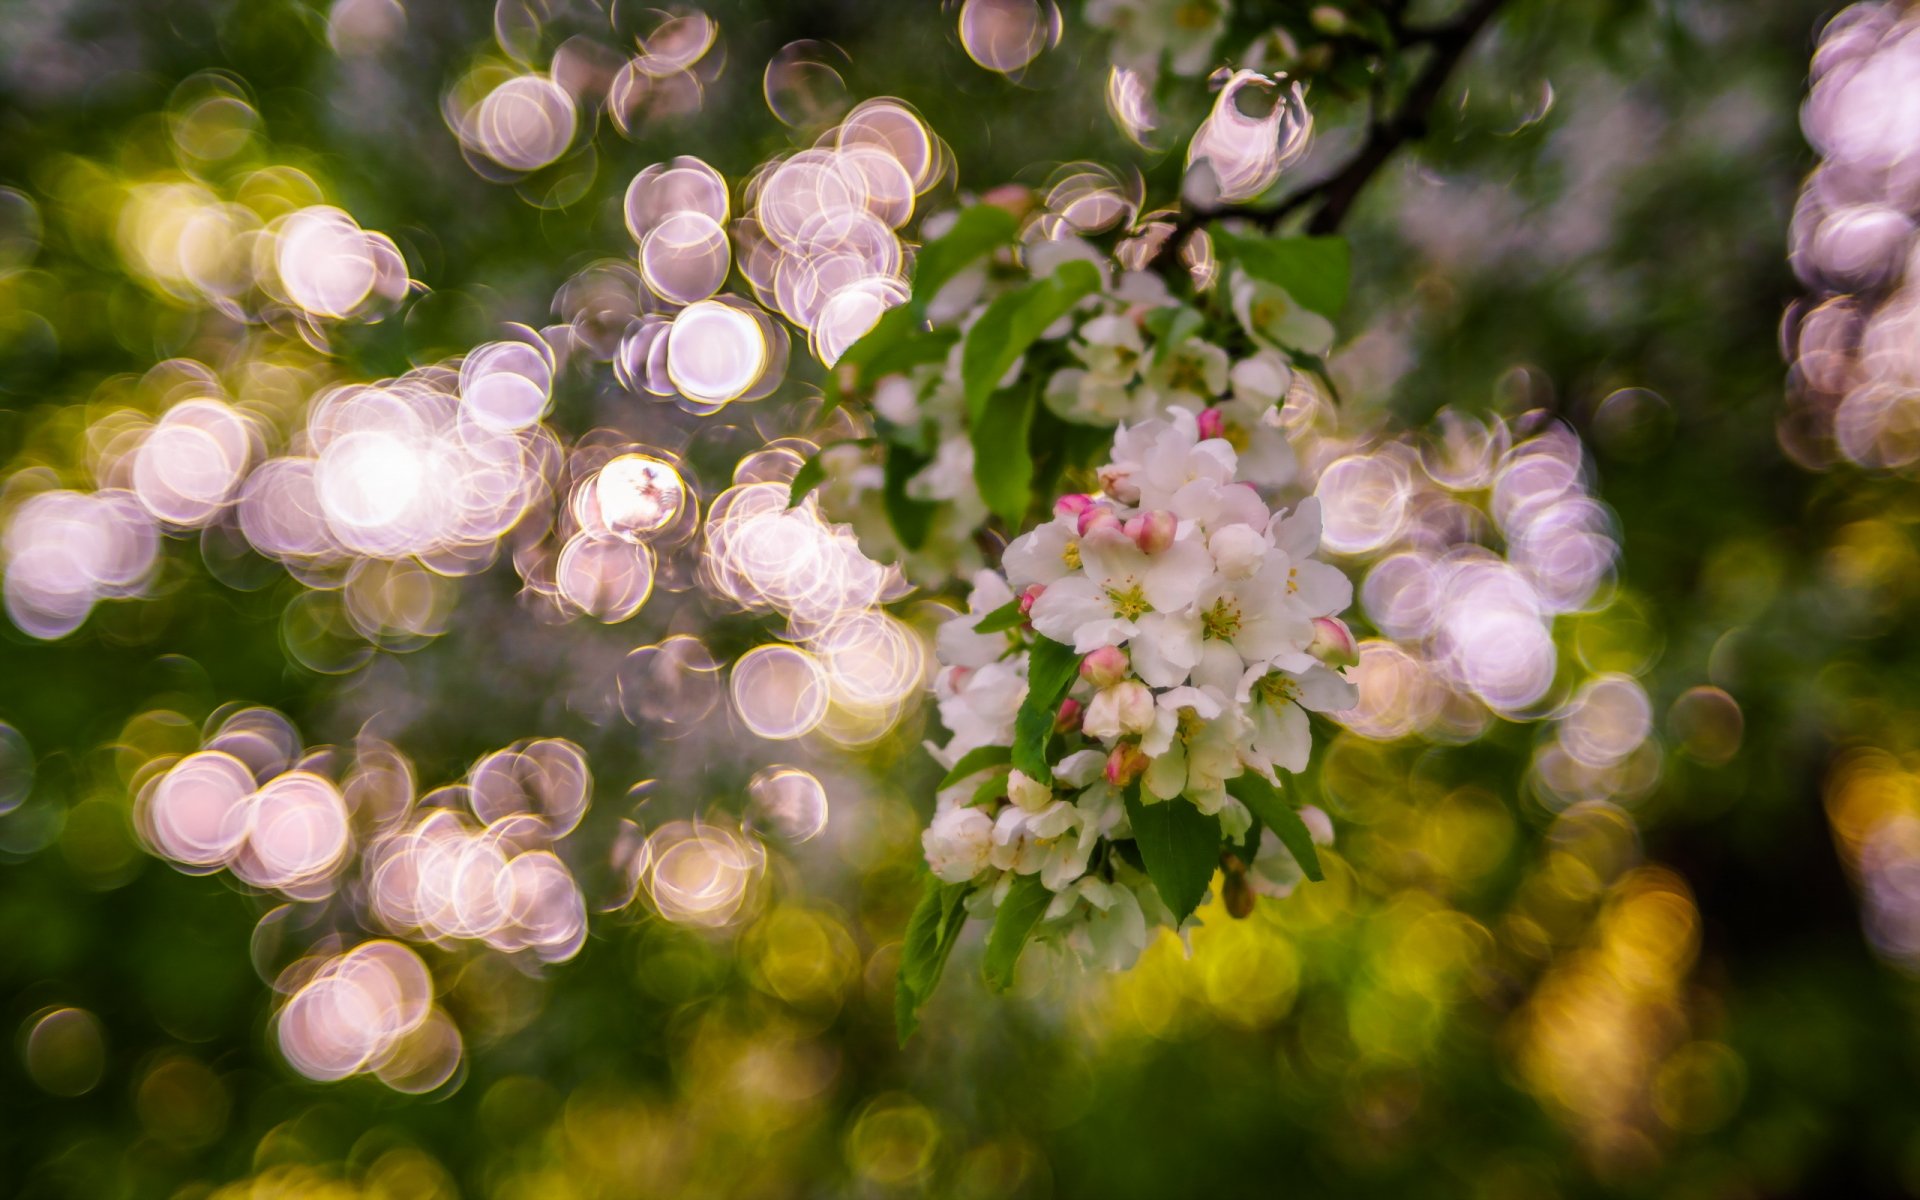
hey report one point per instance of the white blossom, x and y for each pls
(957, 643)
(1119, 584)
(1207, 631)
(1273, 318)
(957, 843)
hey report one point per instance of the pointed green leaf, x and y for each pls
(912, 519)
(977, 231)
(1002, 463)
(993, 788)
(1014, 322)
(1019, 913)
(977, 759)
(901, 339)
(1051, 669)
(1171, 326)
(1315, 271)
(814, 471)
(931, 933)
(1179, 846)
(1276, 814)
(810, 475)
(1007, 616)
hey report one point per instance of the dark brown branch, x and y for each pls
(1449, 44)
(1337, 193)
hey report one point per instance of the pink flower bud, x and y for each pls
(1125, 764)
(1097, 518)
(1238, 550)
(1118, 483)
(1069, 716)
(1153, 531)
(1333, 642)
(1072, 504)
(1031, 594)
(1104, 667)
(1212, 423)
(1010, 196)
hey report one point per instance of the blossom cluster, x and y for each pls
(1122, 355)
(1205, 631)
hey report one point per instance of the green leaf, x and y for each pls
(1014, 322)
(1002, 463)
(1170, 327)
(911, 519)
(1276, 814)
(890, 330)
(893, 326)
(992, 788)
(1025, 904)
(931, 933)
(1179, 845)
(813, 471)
(918, 345)
(901, 339)
(1315, 271)
(977, 759)
(810, 475)
(1007, 616)
(1051, 670)
(977, 231)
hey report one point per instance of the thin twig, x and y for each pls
(1336, 193)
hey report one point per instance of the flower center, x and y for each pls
(1186, 375)
(1222, 621)
(1270, 312)
(1293, 580)
(1276, 689)
(1128, 602)
(1070, 555)
(1189, 724)
(1235, 437)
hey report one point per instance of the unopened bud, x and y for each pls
(1027, 792)
(1072, 504)
(1098, 517)
(1328, 20)
(1235, 894)
(1333, 642)
(1118, 483)
(1068, 719)
(1032, 593)
(1010, 196)
(1212, 423)
(1153, 531)
(1125, 764)
(1124, 709)
(1104, 667)
(1238, 550)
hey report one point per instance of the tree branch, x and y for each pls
(1337, 193)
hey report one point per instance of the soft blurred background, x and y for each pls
(1626, 895)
